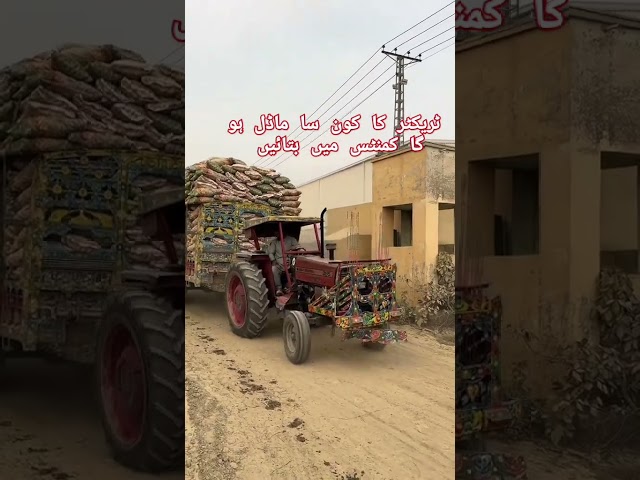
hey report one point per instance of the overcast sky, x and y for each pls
(246, 58)
(28, 27)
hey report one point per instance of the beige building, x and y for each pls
(397, 205)
(547, 169)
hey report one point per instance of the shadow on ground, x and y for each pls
(50, 425)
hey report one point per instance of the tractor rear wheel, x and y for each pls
(297, 336)
(247, 300)
(141, 380)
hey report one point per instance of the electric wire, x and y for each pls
(429, 39)
(424, 31)
(367, 98)
(270, 162)
(419, 23)
(292, 136)
(178, 48)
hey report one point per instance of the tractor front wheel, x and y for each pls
(247, 300)
(140, 376)
(297, 336)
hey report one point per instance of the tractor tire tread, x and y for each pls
(258, 300)
(160, 330)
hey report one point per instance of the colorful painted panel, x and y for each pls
(376, 335)
(215, 236)
(363, 297)
(219, 226)
(79, 201)
(487, 466)
(478, 322)
(472, 421)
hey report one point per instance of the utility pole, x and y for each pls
(401, 62)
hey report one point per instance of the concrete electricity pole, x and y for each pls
(401, 62)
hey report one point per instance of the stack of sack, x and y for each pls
(230, 180)
(93, 97)
(219, 180)
(143, 253)
(82, 98)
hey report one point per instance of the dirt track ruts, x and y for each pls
(348, 413)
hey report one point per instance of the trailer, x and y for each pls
(92, 271)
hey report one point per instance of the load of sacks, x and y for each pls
(232, 180)
(83, 98)
(219, 180)
(93, 97)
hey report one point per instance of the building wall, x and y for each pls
(350, 229)
(563, 98)
(351, 186)
(619, 216)
(446, 227)
(422, 180)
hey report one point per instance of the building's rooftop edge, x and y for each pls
(527, 23)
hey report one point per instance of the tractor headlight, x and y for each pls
(293, 262)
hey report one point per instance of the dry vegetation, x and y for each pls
(596, 402)
(432, 307)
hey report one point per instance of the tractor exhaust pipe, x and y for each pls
(322, 232)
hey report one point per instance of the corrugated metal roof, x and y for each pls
(450, 144)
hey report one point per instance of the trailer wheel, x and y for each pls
(297, 337)
(247, 300)
(141, 379)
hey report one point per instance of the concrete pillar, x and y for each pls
(431, 214)
(555, 239)
(586, 172)
(387, 227)
(569, 239)
(475, 239)
(406, 227)
(637, 170)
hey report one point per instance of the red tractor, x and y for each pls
(357, 297)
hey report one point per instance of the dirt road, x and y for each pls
(349, 413)
(49, 426)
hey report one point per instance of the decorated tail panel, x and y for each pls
(362, 302)
(71, 222)
(215, 236)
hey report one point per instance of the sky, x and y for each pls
(28, 27)
(246, 58)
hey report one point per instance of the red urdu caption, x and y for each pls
(177, 31)
(490, 16)
(270, 122)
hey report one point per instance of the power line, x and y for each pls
(424, 31)
(338, 89)
(434, 46)
(356, 72)
(181, 59)
(429, 39)
(343, 95)
(265, 161)
(333, 105)
(354, 98)
(178, 48)
(420, 22)
(364, 100)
